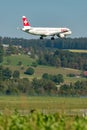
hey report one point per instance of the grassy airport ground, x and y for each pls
(25, 104)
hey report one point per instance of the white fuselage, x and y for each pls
(45, 31)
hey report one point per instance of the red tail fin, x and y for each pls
(25, 21)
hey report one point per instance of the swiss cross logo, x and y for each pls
(25, 22)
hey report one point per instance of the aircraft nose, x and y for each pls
(70, 32)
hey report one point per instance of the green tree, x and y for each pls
(7, 73)
(45, 76)
(29, 71)
(34, 64)
(12, 50)
(43, 86)
(85, 67)
(58, 78)
(1, 53)
(49, 87)
(20, 63)
(1, 73)
(16, 74)
(55, 78)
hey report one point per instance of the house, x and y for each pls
(84, 73)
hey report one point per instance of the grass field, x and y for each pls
(78, 51)
(25, 104)
(14, 60)
(40, 70)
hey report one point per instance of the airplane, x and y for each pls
(44, 31)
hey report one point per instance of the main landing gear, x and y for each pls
(41, 37)
(52, 38)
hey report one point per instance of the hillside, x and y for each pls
(12, 62)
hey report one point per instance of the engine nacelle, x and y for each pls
(61, 35)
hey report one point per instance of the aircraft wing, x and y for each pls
(51, 33)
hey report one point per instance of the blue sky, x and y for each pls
(45, 13)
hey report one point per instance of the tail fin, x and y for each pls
(25, 22)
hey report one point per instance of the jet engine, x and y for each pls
(61, 35)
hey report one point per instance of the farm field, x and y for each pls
(25, 104)
(43, 113)
(39, 121)
(78, 51)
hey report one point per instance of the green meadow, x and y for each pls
(13, 60)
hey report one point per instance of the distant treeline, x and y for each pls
(64, 58)
(68, 43)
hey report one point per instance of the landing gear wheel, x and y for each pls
(52, 38)
(41, 37)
